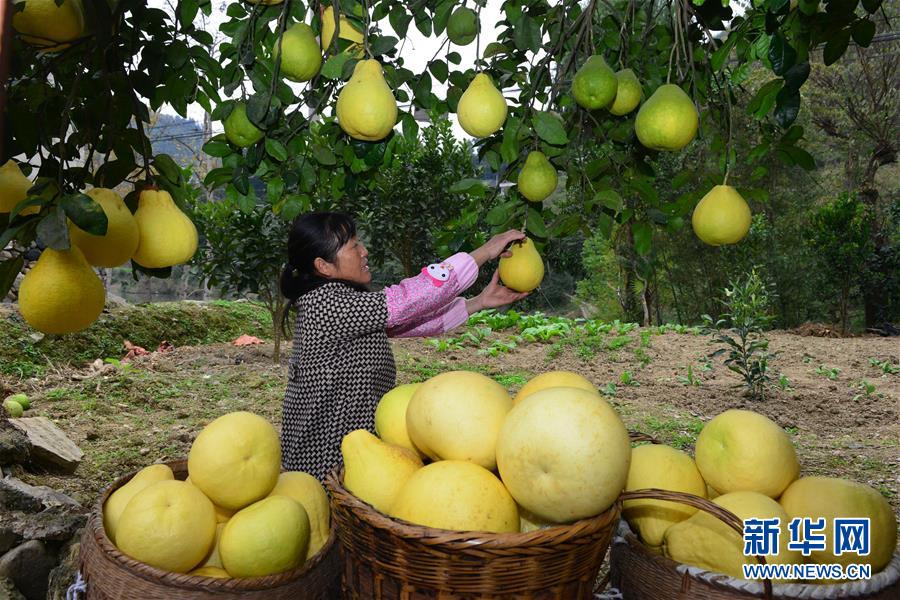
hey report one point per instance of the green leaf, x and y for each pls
(324, 155)
(167, 168)
(86, 213)
(275, 189)
(534, 223)
(217, 148)
(9, 269)
(549, 127)
(787, 107)
(797, 75)
(400, 20)
(499, 215)
(527, 33)
(439, 69)
(495, 48)
(836, 46)
(276, 150)
(509, 149)
(863, 31)
(410, 127)
(383, 44)
(681, 179)
(53, 231)
(801, 157)
(610, 199)
(721, 54)
(764, 99)
(466, 186)
(643, 237)
(781, 54)
(334, 66)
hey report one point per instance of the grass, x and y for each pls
(680, 432)
(24, 352)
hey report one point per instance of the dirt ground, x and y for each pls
(127, 417)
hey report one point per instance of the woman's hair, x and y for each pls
(313, 235)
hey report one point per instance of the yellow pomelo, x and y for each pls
(628, 93)
(594, 85)
(306, 489)
(457, 415)
(831, 498)
(665, 468)
(167, 236)
(482, 108)
(348, 32)
(457, 495)
(721, 217)
(118, 500)
(14, 188)
(215, 572)
(239, 129)
(554, 379)
(302, 56)
(563, 453)
(705, 541)
(236, 459)
(170, 525)
(46, 25)
(61, 294)
(118, 245)
(366, 107)
(213, 559)
(668, 120)
(390, 416)
(374, 471)
(524, 270)
(223, 514)
(741, 450)
(538, 178)
(268, 537)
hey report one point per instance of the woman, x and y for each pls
(342, 364)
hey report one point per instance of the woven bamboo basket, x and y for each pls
(111, 575)
(388, 559)
(640, 574)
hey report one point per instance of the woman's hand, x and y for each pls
(493, 295)
(496, 246)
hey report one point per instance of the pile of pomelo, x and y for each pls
(236, 515)
(457, 452)
(746, 463)
(555, 453)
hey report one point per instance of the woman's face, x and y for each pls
(351, 264)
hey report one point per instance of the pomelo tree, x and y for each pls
(77, 115)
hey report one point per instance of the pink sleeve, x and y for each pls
(444, 319)
(414, 300)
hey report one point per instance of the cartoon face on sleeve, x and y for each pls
(438, 272)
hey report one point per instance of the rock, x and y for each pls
(14, 446)
(28, 566)
(8, 591)
(51, 448)
(18, 495)
(8, 539)
(56, 524)
(66, 571)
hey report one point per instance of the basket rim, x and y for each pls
(468, 540)
(155, 574)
